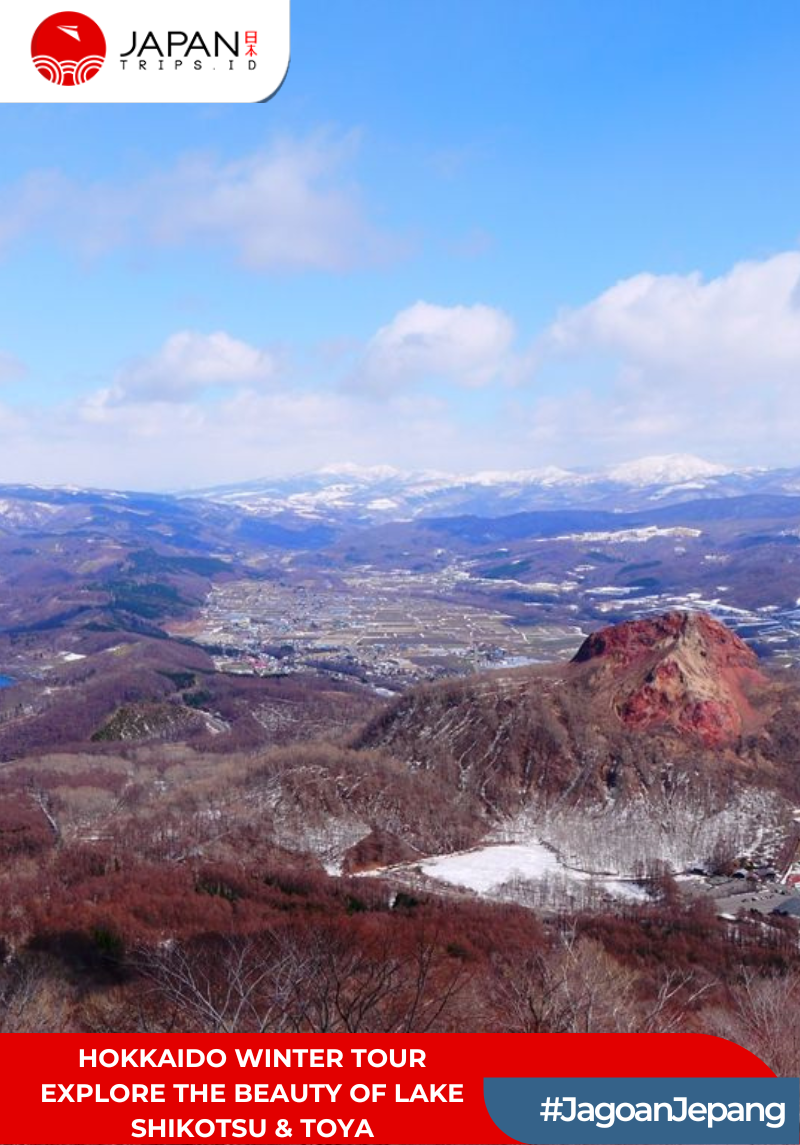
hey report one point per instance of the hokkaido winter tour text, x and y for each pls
(79, 1088)
(297, 1057)
(251, 1092)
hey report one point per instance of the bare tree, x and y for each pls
(324, 981)
(354, 985)
(765, 1018)
(229, 984)
(577, 987)
(33, 996)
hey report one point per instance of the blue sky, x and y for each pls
(462, 236)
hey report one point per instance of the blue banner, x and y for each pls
(653, 1111)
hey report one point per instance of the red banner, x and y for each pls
(81, 1089)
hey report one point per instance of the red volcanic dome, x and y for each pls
(68, 48)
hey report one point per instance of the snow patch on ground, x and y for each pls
(632, 536)
(488, 867)
(516, 871)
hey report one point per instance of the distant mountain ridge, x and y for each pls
(356, 494)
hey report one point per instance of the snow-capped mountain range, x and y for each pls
(382, 493)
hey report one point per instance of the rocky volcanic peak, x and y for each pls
(682, 670)
(673, 705)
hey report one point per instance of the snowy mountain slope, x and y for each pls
(381, 493)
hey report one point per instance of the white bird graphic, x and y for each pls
(70, 29)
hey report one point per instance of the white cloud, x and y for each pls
(289, 207)
(12, 421)
(701, 366)
(708, 368)
(293, 205)
(743, 327)
(189, 363)
(467, 345)
(208, 408)
(11, 368)
(24, 204)
(158, 445)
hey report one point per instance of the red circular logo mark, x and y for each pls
(68, 48)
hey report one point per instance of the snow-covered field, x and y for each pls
(523, 871)
(488, 867)
(573, 859)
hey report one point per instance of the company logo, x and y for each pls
(68, 48)
(189, 51)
